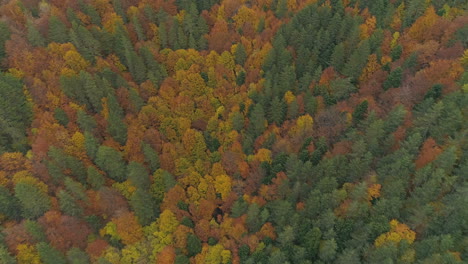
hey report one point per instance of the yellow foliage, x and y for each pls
(75, 61)
(112, 255)
(368, 27)
(423, 24)
(397, 233)
(289, 97)
(395, 38)
(263, 155)
(223, 185)
(227, 60)
(245, 14)
(125, 188)
(111, 230)
(464, 58)
(371, 67)
(110, 21)
(373, 191)
(167, 222)
(25, 177)
(3, 179)
(217, 254)
(16, 72)
(27, 254)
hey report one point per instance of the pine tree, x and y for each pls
(77, 256)
(144, 206)
(9, 204)
(50, 255)
(4, 36)
(240, 54)
(34, 201)
(116, 127)
(138, 28)
(151, 157)
(338, 57)
(277, 111)
(34, 36)
(394, 79)
(112, 162)
(15, 115)
(138, 175)
(360, 111)
(95, 179)
(68, 204)
(357, 61)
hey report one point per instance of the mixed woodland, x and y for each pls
(233, 131)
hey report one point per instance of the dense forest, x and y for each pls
(233, 131)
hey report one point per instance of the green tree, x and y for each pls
(360, 111)
(77, 256)
(357, 61)
(61, 116)
(34, 36)
(58, 31)
(194, 245)
(151, 157)
(68, 204)
(116, 127)
(338, 57)
(35, 230)
(144, 206)
(95, 179)
(257, 120)
(4, 36)
(34, 202)
(112, 162)
(91, 145)
(5, 256)
(9, 204)
(138, 175)
(240, 54)
(277, 111)
(87, 123)
(50, 255)
(394, 79)
(15, 115)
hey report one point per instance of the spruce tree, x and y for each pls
(112, 162)
(4, 36)
(34, 36)
(240, 55)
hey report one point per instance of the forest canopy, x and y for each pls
(233, 131)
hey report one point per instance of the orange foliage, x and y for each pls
(429, 152)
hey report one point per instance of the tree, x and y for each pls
(50, 255)
(111, 161)
(34, 36)
(95, 179)
(77, 256)
(360, 111)
(240, 55)
(277, 111)
(58, 31)
(15, 115)
(34, 201)
(9, 204)
(194, 245)
(138, 175)
(394, 79)
(68, 204)
(4, 36)
(116, 127)
(144, 206)
(151, 157)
